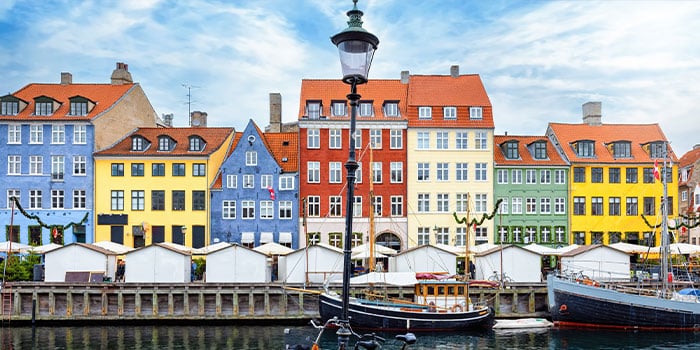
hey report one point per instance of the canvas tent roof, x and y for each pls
(272, 248)
(14, 246)
(113, 247)
(210, 248)
(42, 249)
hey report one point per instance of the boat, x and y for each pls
(578, 301)
(522, 323)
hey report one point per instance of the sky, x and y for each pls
(540, 61)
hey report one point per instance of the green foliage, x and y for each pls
(201, 267)
(20, 268)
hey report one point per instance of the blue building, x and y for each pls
(255, 196)
(48, 133)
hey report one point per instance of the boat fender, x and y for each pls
(563, 308)
(457, 308)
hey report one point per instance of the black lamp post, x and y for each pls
(356, 47)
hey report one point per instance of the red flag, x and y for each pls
(54, 231)
(272, 193)
(657, 172)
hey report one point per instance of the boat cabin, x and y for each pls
(446, 294)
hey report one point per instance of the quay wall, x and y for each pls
(71, 303)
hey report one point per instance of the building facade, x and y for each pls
(689, 195)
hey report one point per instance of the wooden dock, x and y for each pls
(70, 303)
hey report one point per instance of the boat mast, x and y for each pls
(371, 210)
(665, 269)
(466, 243)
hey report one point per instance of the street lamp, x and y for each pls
(356, 47)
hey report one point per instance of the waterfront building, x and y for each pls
(154, 184)
(380, 144)
(689, 194)
(449, 158)
(531, 180)
(614, 178)
(48, 134)
(255, 198)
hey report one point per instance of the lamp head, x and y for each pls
(356, 47)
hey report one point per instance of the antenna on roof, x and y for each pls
(189, 101)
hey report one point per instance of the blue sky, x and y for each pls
(539, 60)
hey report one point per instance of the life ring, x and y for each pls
(457, 308)
(563, 308)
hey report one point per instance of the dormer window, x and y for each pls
(80, 106)
(425, 113)
(585, 149)
(165, 144)
(622, 149)
(138, 144)
(449, 112)
(511, 150)
(9, 105)
(539, 150)
(656, 149)
(196, 144)
(366, 109)
(338, 109)
(313, 109)
(475, 113)
(391, 109)
(45, 106)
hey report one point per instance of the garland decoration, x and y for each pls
(43, 224)
(484, 217)
(679, 223)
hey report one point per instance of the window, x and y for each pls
(313, 206)
(158, 169)
(196, 144)
(502, 208)
(530, 176)
(480, 200)
(622, 149)
(442, 140)
(377, 172)
(423, 172)
(266, 181)
(656, 150)
(540, 150)
(545, 176)
(502, 176)
(14, 165)
(335, 239)
(631, 206)
(358, 138)
(178, 200)
(199, 200)
(43, 107)
(36, 165)
(597, 206)
(545, 234)
(442, 235)
(377, 204)
(423, 202)
(286, 183)
(597, 175)
(117, 200)
(335, 140)
(137, 143)
(530, 205)
(36, 134)
(545, 205)
(481, 174)
(228, 210)
(648, 175)
(57, 168)
(632, 175)
(423, 235)
(585, 149)
(511, 150)
(396, 172)
(313, 110)
(559, 177)
(334, 172)
(461, 140)
(158, 200)
(530, 234)
(391, 109)
(34, 199)
(78, 107)
(79, 134)
(516, 205)
(164, 144)
(248, 210)
(137, 169)
(14, 134)
(117, 169)
(579, 174)
(614, 206)
(668, 204)
(475, 113)
(9, 107)
(614, 175)
(375, 138)
(365, 109)
(449, 112)
(579, 205)
(335, 206)
(338, 109)
(559, 205)
(178, 169)
(517, 175)
(313, 172)
(396, 205)
(138, 200)
(267, 210)
(248, 181)
(313, 138)
(480, 139)
(285, 209)
(57, 199)
(443, 202)
(425, 113)
(58, 134)
(199, 169)
(251, 158)
(358, 173)
(423, 140)
(460, 236)
(396, 139)
(461, 171)
(559, 234)
(79, 199)
(357, 206)
(443, 171)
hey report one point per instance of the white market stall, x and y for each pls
(599, 262)
(79, 262)
(424, 258)
(236, 263)
(321, 260)
(158, 263)
(518, 263)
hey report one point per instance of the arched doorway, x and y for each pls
(390, 240)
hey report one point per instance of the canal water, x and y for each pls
(272, 337)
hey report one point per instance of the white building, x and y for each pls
(237, 263)
(520, 264)
(80, 261)
(599, 262)
(158, 263)
(424, 258)
(323, 262)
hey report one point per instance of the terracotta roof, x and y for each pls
(604, 135)
(214, 138)
(526, 157)
(103, 95)
(376, 90)
(284, 146)
(218, 182)
(690, 157)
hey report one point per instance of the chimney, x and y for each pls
(404, 77)
(696, 146)
(275, 112)
(198, 119)
(66, 78)
(454, 71)
(168, 120)
(592, 113)
(121, 75)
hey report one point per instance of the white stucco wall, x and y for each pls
(154, 264)
(237, 264)
(76, 258)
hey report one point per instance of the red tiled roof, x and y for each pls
(604, 135)
(526, 158)
(103, 95)
(690, 157)
(284, 146)
(213, 137)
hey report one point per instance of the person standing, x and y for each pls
(121, 269)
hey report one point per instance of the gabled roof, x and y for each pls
(690, 158)
(587, 248)
(284, 146)
(445, 90)
(526, 157)
(105, 96)
(213, 137)
(603, 135)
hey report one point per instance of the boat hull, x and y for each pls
(371, 316)
(576, 304)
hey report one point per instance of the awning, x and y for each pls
(265, 237)
(285, 237)
(247, 237)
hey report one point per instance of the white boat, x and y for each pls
(522, 323)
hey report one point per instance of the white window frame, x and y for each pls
(335, 206)
(335, 139)
(442, 140)
(266, 181)
(443, 202)
(36, 134)
(13, 193)
(313, 172)
(531, 176)
(14, 134)
(423, 173)
(516, 176)
(286, 183)
(228, 209)
(313, 110)
(313, 206)
(58, 168)
(267, 210)
(462, 171)
(480, 201)
(248, 181)
(443, 172)
(559, 177)
(248, 210)
(516, 205)
(396, 139)
(357, 206)
(423, 140)
(313, 138)
(35, 199)
(79, 166)
(423, 202)
(396, 172)
(58, 199)
(231, 181)
(36, 165)
(335, 172)
(377, 177)
(502, 176)
(480, 171)
(530, 205)
(476, 113)
(79, 134)
(449, 112)
(461, 140)
(285, 210)
(397, 206)
(461, 203)
(58, 134)
(545, 176)
(79, 199)
(251, 158)
(559, 205)
(375, 138)
(365, 109)
(545, 205)
(391, 109)
(480, 140)
(425, 112)
(503, 208)
(339, 109)
(14, 165)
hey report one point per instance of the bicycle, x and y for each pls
(369, 341)
(500, 278)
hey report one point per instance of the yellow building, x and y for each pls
(613, 178)
(153, 185)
